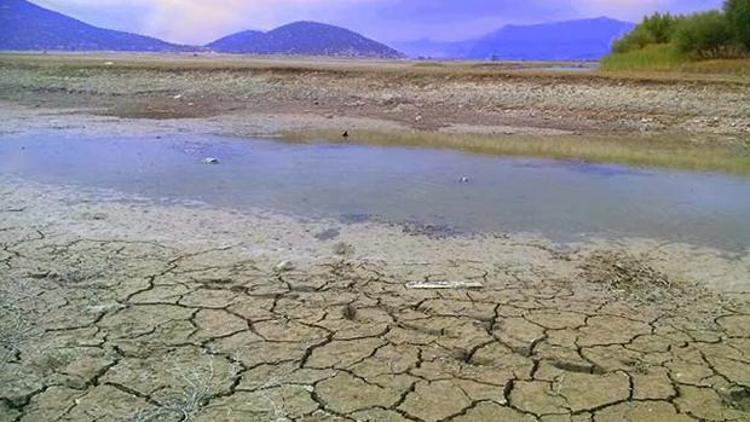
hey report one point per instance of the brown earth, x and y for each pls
(480, 98)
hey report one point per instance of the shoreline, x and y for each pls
(696, 124)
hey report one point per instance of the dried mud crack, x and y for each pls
(99, 325)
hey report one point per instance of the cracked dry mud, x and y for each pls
(119, 310)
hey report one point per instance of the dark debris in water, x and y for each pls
(433, 231)
(328, 234)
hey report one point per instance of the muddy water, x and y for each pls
(561, 200)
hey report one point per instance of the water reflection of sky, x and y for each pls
(564, 200)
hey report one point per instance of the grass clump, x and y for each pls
(651, 57)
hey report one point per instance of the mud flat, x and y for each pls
(114, 308)
(692, 121)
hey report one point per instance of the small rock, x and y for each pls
(284, 266)
(349, 312)
(211, 160)
(343, 248)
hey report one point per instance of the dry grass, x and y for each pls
(635, 151)
(739, 67)
(666, 61)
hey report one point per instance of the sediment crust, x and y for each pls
(114, 308)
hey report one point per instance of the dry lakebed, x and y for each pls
(304, 282)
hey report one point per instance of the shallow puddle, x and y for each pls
(561, 200)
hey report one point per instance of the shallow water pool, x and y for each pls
(562, 200)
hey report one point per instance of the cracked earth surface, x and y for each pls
(116, 309)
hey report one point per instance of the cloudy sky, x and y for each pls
(201, 21)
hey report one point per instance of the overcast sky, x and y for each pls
(202, 21)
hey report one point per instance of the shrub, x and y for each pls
(655, 29)
(704, 35)
(738, 17)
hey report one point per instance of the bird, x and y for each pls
(463, 179)
(345, 134)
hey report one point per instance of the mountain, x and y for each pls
(434, 49)
(304, 38)
(585, 39)
(239, 42)
(26, 26)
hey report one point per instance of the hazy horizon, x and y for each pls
(196, 22)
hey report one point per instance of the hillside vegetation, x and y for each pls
(679, 42)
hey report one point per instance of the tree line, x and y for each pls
(711, 34)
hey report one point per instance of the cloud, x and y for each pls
(201, 21)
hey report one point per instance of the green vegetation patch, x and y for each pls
(651, 57)
(666, 42)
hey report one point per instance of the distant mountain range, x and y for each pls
(26, 26)
(305, 38)
(585, 39)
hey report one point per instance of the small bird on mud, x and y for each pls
(345, 134)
